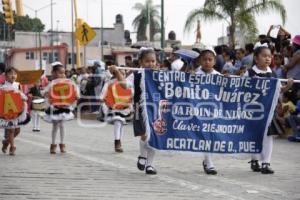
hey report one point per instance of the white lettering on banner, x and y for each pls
(218, 80)
(179, 125)
(232, 97)
(207, 111)
(172, 91)
(263, 84)
(187, 143)
(209, 146)
(226, 129)
(165, 76)
(240, 82)
(208, 128)
(247, 147)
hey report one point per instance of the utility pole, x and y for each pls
(102, 49)
(52, 41)
(72, 34)
(78, 24)
(162, 37)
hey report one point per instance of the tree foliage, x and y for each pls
(236, 13)
(22, 23)
(147, 10)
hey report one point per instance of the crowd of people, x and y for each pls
(97, 86)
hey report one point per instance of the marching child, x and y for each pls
(147, 59)
(35, 94)
(13, 131)
(57, 114)
(207, 62)
(262, 58)
(119, 107)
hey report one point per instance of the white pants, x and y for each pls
(35, 120)
(267, 150)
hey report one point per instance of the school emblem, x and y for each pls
(160, 124)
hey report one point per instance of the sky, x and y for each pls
(176, 12)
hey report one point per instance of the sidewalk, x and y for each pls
(92, 170)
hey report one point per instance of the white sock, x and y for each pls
(37, 122)
(143, 149)
(267, 149)
(118, 127)
(255, 157)
(208, 160)
(35, 119)
(54, 131)
(150, 155)
(62, 132)
(121, 130)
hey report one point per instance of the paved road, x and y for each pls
(91, 170)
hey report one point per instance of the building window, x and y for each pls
(30, 55)
(55, 56)
(74, 58)
(70, 58)
(45, 57)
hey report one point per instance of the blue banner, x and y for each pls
(207, 113)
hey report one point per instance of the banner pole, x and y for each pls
(140, 69)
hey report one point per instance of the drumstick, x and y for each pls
(140, 69)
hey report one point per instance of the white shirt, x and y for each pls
(258, 71)
(15, 86)
(177, 65)
(200, 71)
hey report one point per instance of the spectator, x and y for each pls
(278, 67)
(293, 67)
(294, 122)
(240, 54)
(166, 65)
(2, 73)
(282, 36)
(228, 67)
(219, 59)
(128, 61)
(248, 59)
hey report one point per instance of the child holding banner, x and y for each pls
(14, 110)
(61, 95)
(262, 58)
(207, 62)
(147, 59)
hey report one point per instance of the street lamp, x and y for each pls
(35, 15)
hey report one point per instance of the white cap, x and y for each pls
(209, 49)
(177, 65)
(258, 44)
(56, 63)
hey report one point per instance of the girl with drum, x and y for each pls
(37, 106)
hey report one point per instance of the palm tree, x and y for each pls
(237, 13)
(147, 11)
